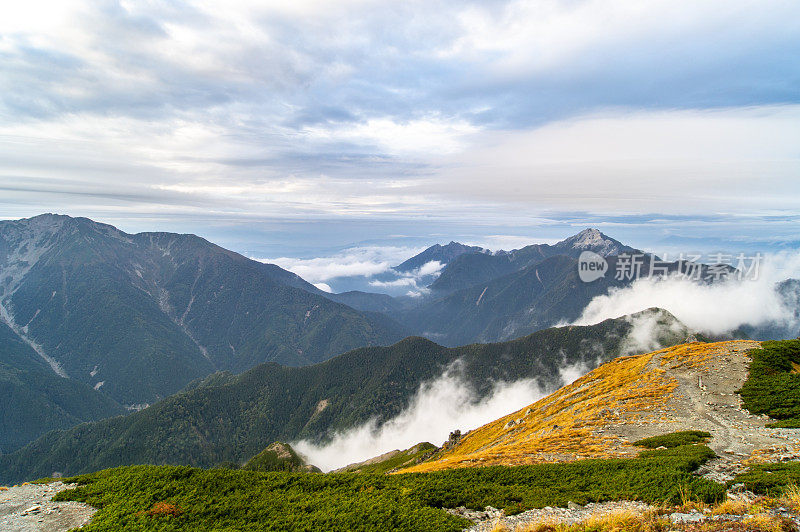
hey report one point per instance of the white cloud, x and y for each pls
(430, 268)
(638, 161)
(711, 308)
(324, 287)
(364, 109)
(395, 283)
(415, 137)
(439, 407)
(645, 331)
(351, 262)
(366, 262)
(411, 279)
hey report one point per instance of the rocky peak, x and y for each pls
(592, 239)
(588, 237)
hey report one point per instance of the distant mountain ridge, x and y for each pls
(469, 269)
(139, 316)
(439, 253)
(537, 296)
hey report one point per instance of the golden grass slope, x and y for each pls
(595, 416)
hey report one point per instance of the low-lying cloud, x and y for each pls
(356, 261)
(439, 407)
(646, 331)
(363, 268)
(717, 308)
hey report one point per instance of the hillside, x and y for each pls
(687, 387)
(140, 316)
(279, 457)
(189, 499)
(34, 400)
(231, 418)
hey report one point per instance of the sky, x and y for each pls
(305, 130)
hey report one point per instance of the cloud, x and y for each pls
(412, 279)
(438, 407)
(677, 161)
(324, 287)
(716, 308)
(432, 267)
(394, 283)
(370, 266)
(351, 262)
(418, 136)
(506, 112)
(646, 329)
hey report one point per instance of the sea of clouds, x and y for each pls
(716, 308)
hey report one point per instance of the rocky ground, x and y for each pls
(679, 519)
(30, 508)
(491, 518)
(706, 399)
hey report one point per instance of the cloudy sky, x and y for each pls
(305, 128)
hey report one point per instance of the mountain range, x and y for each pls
(96, 323)
(230, 418)
(140, 316)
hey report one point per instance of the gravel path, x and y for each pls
(706, 399)
(30, 508)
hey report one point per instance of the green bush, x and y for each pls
(218, 499)
(770, 479)
(773, 385)
(674, 439)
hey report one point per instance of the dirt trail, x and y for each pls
(705, 399)
(30, 508)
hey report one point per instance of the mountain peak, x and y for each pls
(588, 236)
(592, 239)
(438, 252)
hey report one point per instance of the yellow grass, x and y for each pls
(569, 424)
(732, 507)
(618, 521)
(791, 495)
(768, 523)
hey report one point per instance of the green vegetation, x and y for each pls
(771, 479)
(34, 400)
(408, 457)
(674, 439)
(182, 498)
(279, 457)
(146, 314)
(232, 418)
(773, 385)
